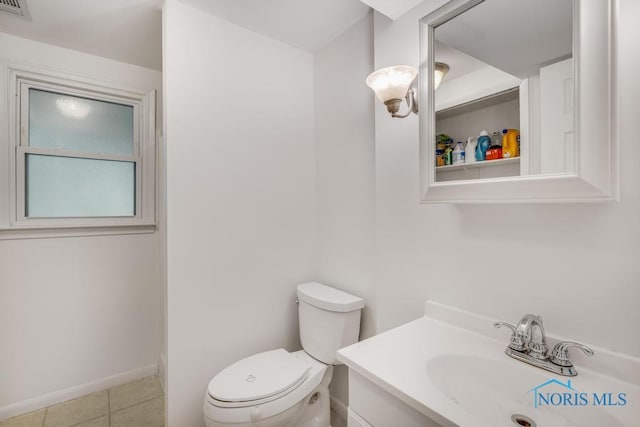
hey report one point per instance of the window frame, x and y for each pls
(143, 156)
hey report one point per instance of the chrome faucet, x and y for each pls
(528, 344)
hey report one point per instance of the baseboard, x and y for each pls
(59, 396)
(162, 372)
(339, 407)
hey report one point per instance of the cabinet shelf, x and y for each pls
(483, 164)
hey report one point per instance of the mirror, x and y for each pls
(494, 49)
(507, 122)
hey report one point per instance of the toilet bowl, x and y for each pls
(291, 387)
(281, 389)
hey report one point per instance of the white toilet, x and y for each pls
(281, 389)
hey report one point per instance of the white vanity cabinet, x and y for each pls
(371, 406)
(448, 368)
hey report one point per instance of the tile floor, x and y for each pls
(136, 404)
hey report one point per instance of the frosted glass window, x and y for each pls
(67, 187)
(79, 124)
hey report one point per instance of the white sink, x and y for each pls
(499, 392)
(450, 367)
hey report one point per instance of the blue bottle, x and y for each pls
(484, 141)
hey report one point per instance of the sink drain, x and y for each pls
(522, 420)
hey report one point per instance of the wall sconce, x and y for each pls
(440, 70)
(391, 85)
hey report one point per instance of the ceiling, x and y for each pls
(125, 30)
(131, 30)
(527, 35)
(392, 8)
(307, 24)
(459, 63)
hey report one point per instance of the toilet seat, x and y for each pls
(258, 379)
(271, 402)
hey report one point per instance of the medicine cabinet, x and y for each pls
(544, 67)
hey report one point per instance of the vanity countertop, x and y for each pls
(422, 362)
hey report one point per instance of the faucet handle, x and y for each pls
(516, 339)
(560, 353)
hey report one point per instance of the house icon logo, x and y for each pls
(542, 398)
(556, 393)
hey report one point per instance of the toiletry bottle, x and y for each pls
(470, 150)
(447, 156)
(496, 138)
(495, 150)
(457, 156)
(510, 146)
(443, 141)
(483, 145)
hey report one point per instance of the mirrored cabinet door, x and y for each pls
(504, 122)
(502, 54)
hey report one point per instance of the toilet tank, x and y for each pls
(329, 320)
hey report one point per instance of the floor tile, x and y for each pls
(32, 419)
(78, 410)
(147, 414)
(96, 422)
(139, 391)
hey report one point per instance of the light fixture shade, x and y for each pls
(440, 70)
(392, 82)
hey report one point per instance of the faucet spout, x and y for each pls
(531, 332)
(529, 344)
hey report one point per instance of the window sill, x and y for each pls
(49, 232)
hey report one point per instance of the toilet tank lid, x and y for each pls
(328, 298)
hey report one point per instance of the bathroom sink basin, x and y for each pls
(501, 393)
(446, 370)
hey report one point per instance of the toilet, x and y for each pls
(281, 389)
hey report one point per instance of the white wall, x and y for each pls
(76, 314)
(345, 174)
(575, 264)
(241, 206)
(241, 200)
